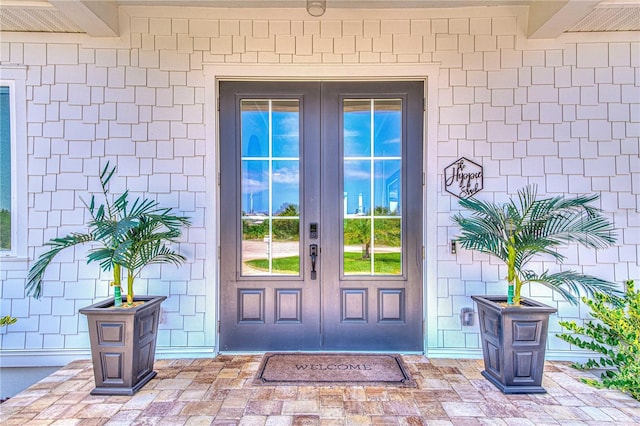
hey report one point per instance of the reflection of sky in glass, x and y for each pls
(357, 178)
(255, 187)
(386, 186)
(270, 141)
(5, 149)
(286, 178)
(286, 129)
(255, 128)
(363, 172)
(357, 127)
(387, 128)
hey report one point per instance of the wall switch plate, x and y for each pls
(466, 316)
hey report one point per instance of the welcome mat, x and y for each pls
(333, 369)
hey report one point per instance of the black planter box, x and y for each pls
(514, 340)
(123, 344)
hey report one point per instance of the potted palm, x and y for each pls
(513, 328)
(125, 236)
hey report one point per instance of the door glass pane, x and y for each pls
(357, 246)
(387, 127)
(372, 187)
(357, 187)
(255, 187)
(286, 128)
(255, 128)
(386, 187)
(270, 185)
(285, 180)
(357, 127)
(387, 242)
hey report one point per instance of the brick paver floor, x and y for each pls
(220, 392)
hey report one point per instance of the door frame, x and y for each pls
(214, 73)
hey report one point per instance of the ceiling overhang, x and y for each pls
(99, 18)
(96, 18)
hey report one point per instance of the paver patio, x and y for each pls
(220, 392)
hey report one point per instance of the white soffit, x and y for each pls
(611, 16)
(40, 16)
(549, 19)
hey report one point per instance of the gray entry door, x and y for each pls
(321, 216)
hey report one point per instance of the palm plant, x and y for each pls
(521, 229)
(129, 235)
(145, 244)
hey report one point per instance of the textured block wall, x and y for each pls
(563, 114)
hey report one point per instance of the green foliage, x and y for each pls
(288, 209)
(128, 234)
(525, 227)
(254, 229)
(5, 229)
(282, 230)
(387, 232)
(615, 335)
(358, 231)
(6, 320)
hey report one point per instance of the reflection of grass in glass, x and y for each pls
(385, 264)
(281, 265)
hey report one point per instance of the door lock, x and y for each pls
(313, 253)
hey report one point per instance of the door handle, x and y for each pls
(313, 253)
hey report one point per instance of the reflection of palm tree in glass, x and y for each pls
(358, 231)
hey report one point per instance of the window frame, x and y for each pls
(15, 78)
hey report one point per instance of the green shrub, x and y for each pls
(616, 335)
(6, 320)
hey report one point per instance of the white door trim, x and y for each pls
(315, 72)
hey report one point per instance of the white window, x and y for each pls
(13, 163)
(6, 182)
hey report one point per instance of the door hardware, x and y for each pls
(313, 253)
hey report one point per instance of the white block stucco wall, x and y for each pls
(564, 114)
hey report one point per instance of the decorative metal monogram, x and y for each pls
(463, 178)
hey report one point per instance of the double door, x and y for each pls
(321, 216)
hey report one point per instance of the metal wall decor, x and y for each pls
(463, 178)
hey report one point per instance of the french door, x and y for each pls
(321, 216)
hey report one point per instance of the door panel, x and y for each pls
(372, 291)
(268, 161)
(321, 216)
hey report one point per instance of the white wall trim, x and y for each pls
(212, 218)
(315, 72)
(332, 13)
(15, 77)
(354, 72)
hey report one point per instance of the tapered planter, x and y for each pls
(514, 340)
(123, 344)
